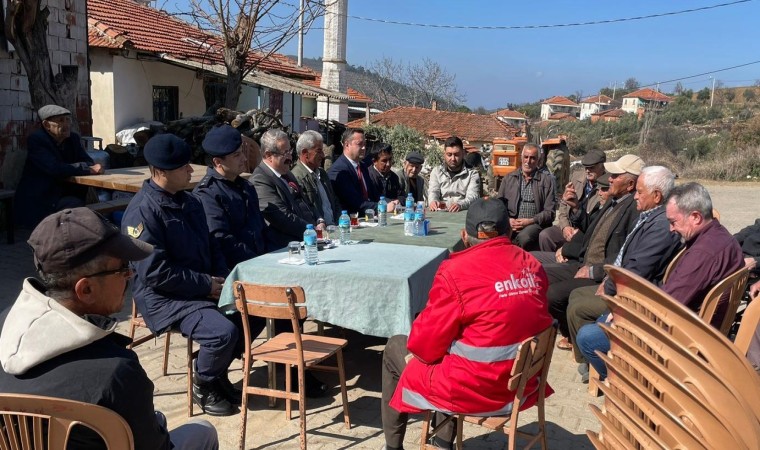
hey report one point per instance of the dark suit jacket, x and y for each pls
(284, 208)
(346, 185)
(308, 183)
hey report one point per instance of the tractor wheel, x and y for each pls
(558, 163)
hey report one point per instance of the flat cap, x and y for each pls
(489, 210)
(626, 164)
(604, 180)
(593, 158)
(222, 140)
(415, 158)
(72, 237)
(167, 152)
(49, 111)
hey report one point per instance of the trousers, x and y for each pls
(218, 337)
(591, 338)
(584, 307)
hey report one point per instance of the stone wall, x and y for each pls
(67, 46)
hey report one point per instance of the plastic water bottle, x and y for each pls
(419, 222)
(421, 208)
(344, 223)
(409, 221)
(311, 254)
(382, 212)
(409, 202)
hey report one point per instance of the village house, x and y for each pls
(610, 115)
(358, 103)
(595, 104)
(646, 99)
(141, 75)
(512, 118)
(559, 105)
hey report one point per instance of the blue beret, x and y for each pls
(222, 140)
(167, 152)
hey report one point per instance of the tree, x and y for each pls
(678, 89)
(481, 110)
(703, 95)
(728, 94)
(243, 26)
(631, 84)
(430, 81)
(749, 95)
(26, 28)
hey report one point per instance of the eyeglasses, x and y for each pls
(124, 271)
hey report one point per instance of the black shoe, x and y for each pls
(231, 393)
(211, 399)
(314, 387)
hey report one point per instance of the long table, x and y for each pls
(130, 179)
(370, 287)
(444, 232)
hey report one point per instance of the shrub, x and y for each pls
(403, 139)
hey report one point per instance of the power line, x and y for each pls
(703, 74)
(558, 25)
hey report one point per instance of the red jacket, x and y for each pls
(484, 302)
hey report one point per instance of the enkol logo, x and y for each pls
(525, 283)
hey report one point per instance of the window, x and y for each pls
(215, 94)
(165, 103)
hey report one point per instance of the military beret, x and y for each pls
(49, 111)
(167, 152)
(222, 140)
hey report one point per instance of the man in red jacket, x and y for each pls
(460, 351)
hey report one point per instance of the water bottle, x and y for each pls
(421, 208)
(382, 212)
(419, 222)
(409, 221)
(310, 245)
(409, 202)
(344, 223)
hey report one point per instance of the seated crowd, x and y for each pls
(178, 247)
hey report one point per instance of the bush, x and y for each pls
(734, 166)
(746, 133)
(403, 139)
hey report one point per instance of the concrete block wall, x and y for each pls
(67, 45)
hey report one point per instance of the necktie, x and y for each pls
(365, 196)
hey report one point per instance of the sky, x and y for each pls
(496, 67)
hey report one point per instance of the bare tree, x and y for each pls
(429, 81)
(247, 26)
(25, 27)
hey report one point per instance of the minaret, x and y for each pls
(334, 61)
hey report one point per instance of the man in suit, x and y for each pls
(349, 177)
(313, 179)
(280, 197)
(581, 192)
(409, 177)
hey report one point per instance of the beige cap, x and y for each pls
(626, 164)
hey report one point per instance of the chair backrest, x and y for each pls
(672, 264)
(733, 286)
(534, 357)
(26, 417)
(750, 322)
(271, 302)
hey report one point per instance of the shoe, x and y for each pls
(233, 394)
(314, 387)
(583, 371)
(564, 344)
(209, 396)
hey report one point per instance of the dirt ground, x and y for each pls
(736, 202)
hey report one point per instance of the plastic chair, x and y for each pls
(672, 264)
(533, 359)
(734, 285)
(291, 349)
(27, 418)
(748, 325)
(136, 321)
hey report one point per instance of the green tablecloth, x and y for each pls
(371, 287)
(444, 232)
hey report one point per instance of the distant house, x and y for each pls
(358, 103)
(562, 116)
(559, 104)
(146, 65)
(476, 129)
(610, 115)
(512, 118)
(594, 104)
(644, 99)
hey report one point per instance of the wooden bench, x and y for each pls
(6, 198)
(110, 206)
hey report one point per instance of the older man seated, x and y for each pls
(458, 355)
(411, 182)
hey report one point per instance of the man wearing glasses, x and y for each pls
(313, 179)
(54, 153)
(280, 198)
(58, 340)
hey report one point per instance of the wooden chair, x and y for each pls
(533, 359)
(27, 418)
(748, 325)
(290, 349)
(136, 321)
(734, 285)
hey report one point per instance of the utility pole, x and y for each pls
(712, 92)
(300, 35)
(614, 88)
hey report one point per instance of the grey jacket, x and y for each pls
(578, 179)
(543, 193)
(463, 187)
(308, 182)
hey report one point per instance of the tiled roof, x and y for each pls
(510, 114)
(352, 93)
(559, 100)
(611, 113)
(562, 116)
(597, 99)
(471, 127)
(126, 24)
(649, 94)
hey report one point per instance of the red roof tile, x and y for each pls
(559, 100)
(510, 114)
(126, 24)
(611, 113)
(649, 94)
(597, 99)
(470, 127)
(562, 116)
(353, 93)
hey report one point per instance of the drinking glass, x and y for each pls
(294, 250)
(354, 219)
(369, 215)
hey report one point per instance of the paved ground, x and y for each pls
(567, 411)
